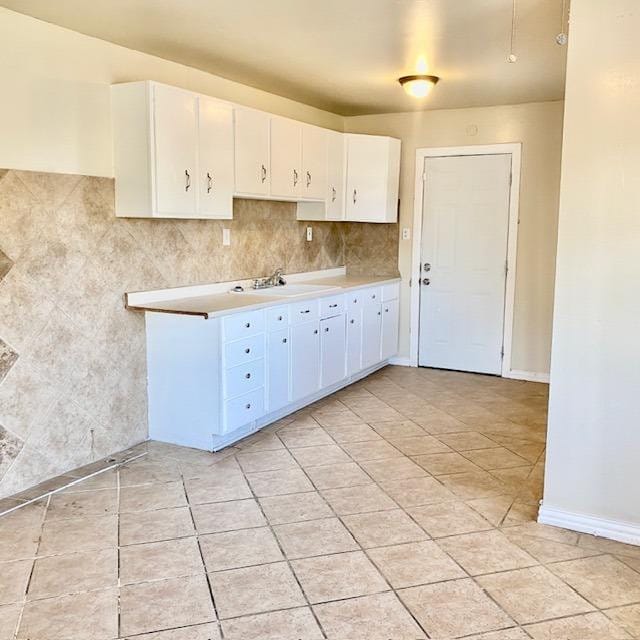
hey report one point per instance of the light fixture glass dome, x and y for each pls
(418, 86)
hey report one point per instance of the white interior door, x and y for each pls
(464, 258)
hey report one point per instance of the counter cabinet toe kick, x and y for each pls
(212, 382)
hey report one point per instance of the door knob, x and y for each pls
(427, 267)
(426, 282)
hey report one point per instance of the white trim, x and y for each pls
(515, 150)
(618, 530)
(401, 361)
(531, 376)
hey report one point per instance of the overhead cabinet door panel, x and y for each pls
(286, 156)
(252, 152)
(314, 162)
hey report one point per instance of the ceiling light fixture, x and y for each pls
(418, 86)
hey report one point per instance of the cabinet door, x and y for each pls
(251, 152)
(332, 350)
(215, 158)
(175, 127)
(354, 342)
(371, 334)
(314, 162)
(367, 177)
(335, 176)
(389, 329)
(278, 366)
(286, 157)
(305, 359)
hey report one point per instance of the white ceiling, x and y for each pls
(340, 55)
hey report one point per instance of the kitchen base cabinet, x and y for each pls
(354, 341)
(390, 316)
(371, 334)
(332, 350)
(305, 359)
(279, 363)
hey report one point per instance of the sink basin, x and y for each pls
(290, 290)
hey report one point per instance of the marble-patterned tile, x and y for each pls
(383, 528)
(8, 357)
(590, 626)
(335, 476)
(314, 538)
(227, 516)
(275, 625)
(295, 507)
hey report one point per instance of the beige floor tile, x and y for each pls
(13, 580)
(393, 469)
(448, 519)
(377, 617)
(498, 458)
(227, 516)
(416, 563)
(86, 503)
(444, 463)
(18, 541)
(475, 485)
(398, 429)
(519, 513)
(165, 604)
(240, 592)
(613, 547)
(413, 492)
(360, 499)
(421, 445)
(590, 626)
(75, 617)
(546, 551)
(334, 476)
(383, 528)
(217, 488)
(152, 496)
(441, 424)
(627, 617)
(453, 609)
(515, 633)
(149, 471)
(338, 418)
(78, 534)
(196, 632)
(532, 595)
(322, 455)
(493, 509)
(276, 483)
(486, 552)
(277, 625)
(266, 461)
(104, 480)
(352, 433)
(9, 615)
(340, 576)
(261, 441)
(467, 441)
(301, 437)
(314, 538)
(154, 526)
(295, 507)
(160, 560)
(235, 549)
(371, 450)
(603, 580)
(73, 573)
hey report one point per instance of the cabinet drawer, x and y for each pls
(243, 378)
(390, 291)
(245, 350)
(243, 409)
(277, 318)
(331, 306)
(304, 311)
(372, 295)
(241, 325)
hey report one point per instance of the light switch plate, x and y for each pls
(406, 233)
(226, 237)
(309, 234)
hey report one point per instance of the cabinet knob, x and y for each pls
(326, 329)
(247, 375)
(247, 406)
(284, 340)
(279, 318)
(333, 306)
(386, 310)
(352, 321)
(379, 313)
(315, 331)
(373, 296)
(247, 350)
(306, 311)
(247, 325)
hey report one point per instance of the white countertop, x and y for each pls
(197, 301)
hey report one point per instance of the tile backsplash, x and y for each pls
(72, 359)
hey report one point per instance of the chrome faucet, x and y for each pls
(275, 280)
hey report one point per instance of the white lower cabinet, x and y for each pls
(371, 334)
(279, 366)
(305, 359)
(332, 350)
(390, 316)
(354, 341)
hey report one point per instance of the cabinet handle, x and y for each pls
(355, 196)
(333, 306)
(295, 177)
(264, 172)
(247, 350)
(308, 179)
(315, 332)
(333, 194)
(352, 321)
(247, 406)
(247, 375)
(284, 340)
(326, 329)
(187, 181)
(306, 311)
(209, 182)
(247, 325)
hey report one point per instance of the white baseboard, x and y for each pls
(401, 361)
(611, 529)
(531, 376)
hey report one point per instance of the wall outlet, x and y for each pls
(309, 234)
(226, 237)
(406, 233)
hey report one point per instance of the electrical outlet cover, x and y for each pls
(309, 234)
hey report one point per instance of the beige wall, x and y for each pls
(55, 113)
(594, 415)
(539, 127)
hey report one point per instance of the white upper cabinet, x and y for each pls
(286, 158)
(373, 173)
(314, 162)
(215, 158)
(252, 169)
(335, 176)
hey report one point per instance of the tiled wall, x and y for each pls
(72, 363)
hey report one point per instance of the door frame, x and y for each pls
(515, 150)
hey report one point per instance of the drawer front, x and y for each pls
(372, 295)
(304, 311)
(243, 378)
(243, 409)
(242, 351)
(242, 325)
(277, 318)
(331, 306)
(390, 291)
